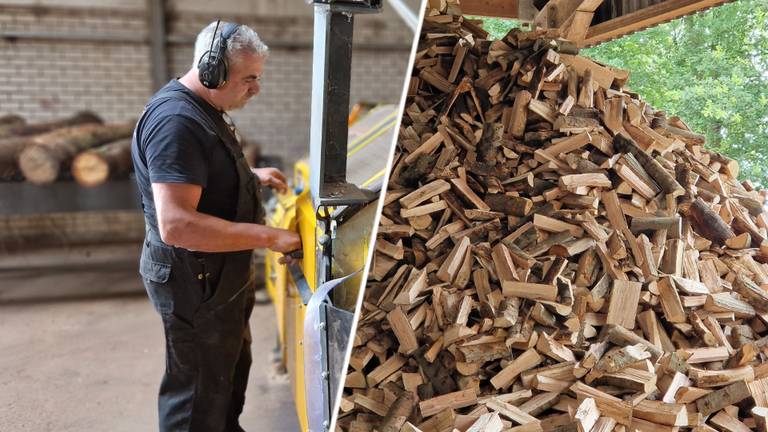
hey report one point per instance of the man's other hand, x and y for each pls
(287, 260)
(285, 241)
(271, 177)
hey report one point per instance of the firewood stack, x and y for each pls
(555, 254)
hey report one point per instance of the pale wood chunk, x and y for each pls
(455, 400)
(424, 193)
(586, 415)
(661, 412)
(523, 362)
(533, 291)
(622, 309)
(510, 411)
(403, 331)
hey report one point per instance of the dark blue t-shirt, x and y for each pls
(177, 140)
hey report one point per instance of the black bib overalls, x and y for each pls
(205, 300)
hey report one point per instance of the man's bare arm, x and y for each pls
(183, 226)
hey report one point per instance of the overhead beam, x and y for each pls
(491, 8)
(646, 17)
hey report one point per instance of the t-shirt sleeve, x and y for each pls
(176, 153)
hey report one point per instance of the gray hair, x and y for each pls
(244, 39)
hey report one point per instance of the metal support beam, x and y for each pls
(158, 55)
(331, 73)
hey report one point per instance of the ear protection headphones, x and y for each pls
(212, 67)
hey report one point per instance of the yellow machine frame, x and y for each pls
(369, 139)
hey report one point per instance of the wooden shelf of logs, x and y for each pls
(555, 254)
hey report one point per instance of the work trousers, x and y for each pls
(207, 343)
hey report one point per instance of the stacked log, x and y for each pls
(94, 167)
(555, 254)
(43, 152)
(42, 159)
(20, 128)
(16, 134)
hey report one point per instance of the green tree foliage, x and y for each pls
(711, 69)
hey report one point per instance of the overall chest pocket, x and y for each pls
(155, 263)
(155, 271)
(155, 268)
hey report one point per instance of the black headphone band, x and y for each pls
(228, 31)
(213, 67)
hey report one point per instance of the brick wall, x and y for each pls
(49, 76)
(58, 60)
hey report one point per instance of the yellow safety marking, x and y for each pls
(366, 139)
(369, 140)
(374, 178)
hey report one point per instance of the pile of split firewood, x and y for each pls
(556, 255)
(80, 146)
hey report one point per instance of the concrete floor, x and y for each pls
(82, 350)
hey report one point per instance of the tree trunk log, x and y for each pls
(24, 129)
(10, 122)
(94, 167)
(42, 159)
(12, 143)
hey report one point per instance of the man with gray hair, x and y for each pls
(203, 218)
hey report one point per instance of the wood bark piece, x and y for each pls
(723, 397)
(706, 222)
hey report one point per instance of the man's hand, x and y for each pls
(271, 177)
(291, 257)
(285, 241)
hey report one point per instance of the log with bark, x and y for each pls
(42, 159)
(10, 123)
(93, 167)
(555, 254)
(15, 138)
